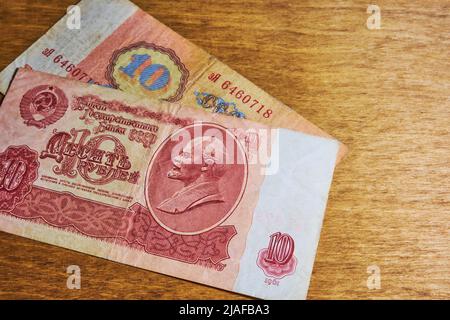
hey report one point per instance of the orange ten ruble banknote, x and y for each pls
(120, 46)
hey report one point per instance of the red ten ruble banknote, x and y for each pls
(217, 200)
(120, 46)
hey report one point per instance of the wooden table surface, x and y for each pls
(385, 93)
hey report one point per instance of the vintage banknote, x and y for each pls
(217, 200)
(120, 46)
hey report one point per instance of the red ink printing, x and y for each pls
(278, 260)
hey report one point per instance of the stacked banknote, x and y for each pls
(120, 158)
(120, 46)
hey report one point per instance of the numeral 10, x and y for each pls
(281, 248)
(11, 174)
(141, 64)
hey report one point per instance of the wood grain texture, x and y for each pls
(385, 93)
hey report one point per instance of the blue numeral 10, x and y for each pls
(146, 70)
